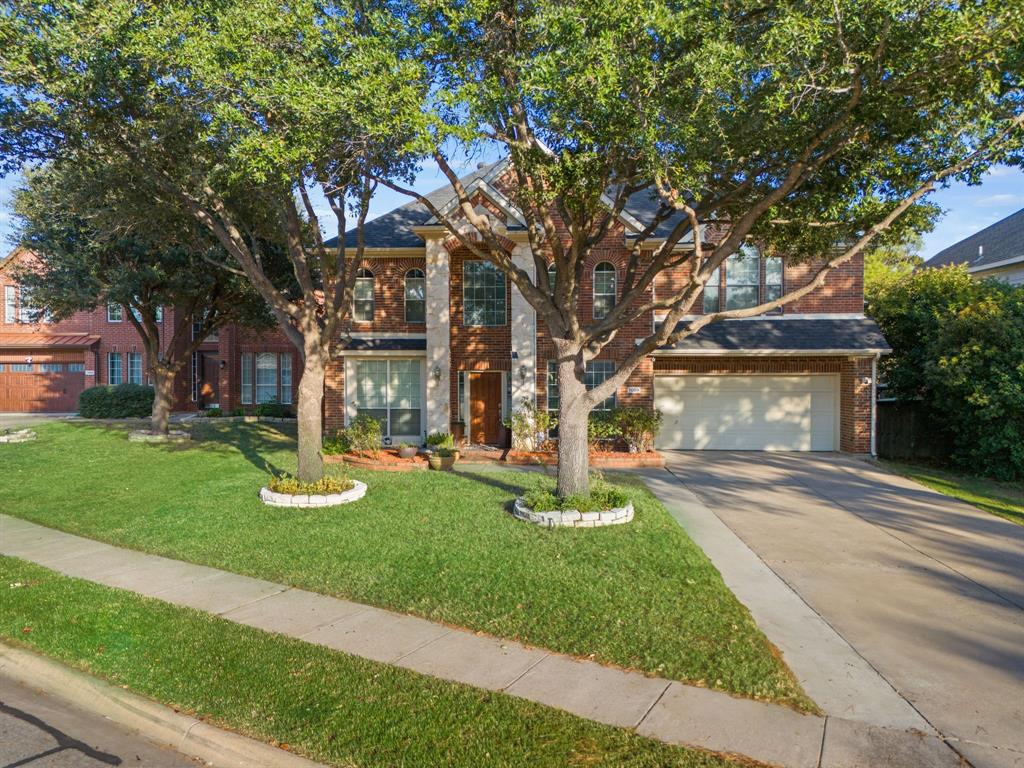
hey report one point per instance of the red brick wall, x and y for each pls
(389, 296)
(855, 406)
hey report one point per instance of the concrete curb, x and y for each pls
(156, 722)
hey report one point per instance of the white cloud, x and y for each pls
(1000, 200)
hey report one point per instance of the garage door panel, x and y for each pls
(774, 413)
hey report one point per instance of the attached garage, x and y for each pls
(748, 412)
(43, 373)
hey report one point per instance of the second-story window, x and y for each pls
(742, 279)
(415, 296)
(26, 312)
(552, 279)
(604, 289)
(772, 278)
(114, 313)
(483, 294)
(362, 302)
(711, 292)
(10, 304)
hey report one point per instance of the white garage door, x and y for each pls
(747, 413)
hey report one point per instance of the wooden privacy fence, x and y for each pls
(906, 431)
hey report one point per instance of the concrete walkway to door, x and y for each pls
(928, 590)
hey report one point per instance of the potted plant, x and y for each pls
(406, 450)
(442, 459)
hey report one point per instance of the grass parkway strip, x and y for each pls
(326, 705)
(436, 545)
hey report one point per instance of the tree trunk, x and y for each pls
(163, 399)
(310, 418)
(573, 454)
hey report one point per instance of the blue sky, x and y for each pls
(966, 209)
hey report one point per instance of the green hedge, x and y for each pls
(117, 402)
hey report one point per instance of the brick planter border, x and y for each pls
(269, 497)
(415, 464)
(21, 436)
(571, 518)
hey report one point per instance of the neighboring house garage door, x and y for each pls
(40, 387)
(747, 413)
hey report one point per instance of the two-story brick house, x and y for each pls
(44, 366)
(440, 341)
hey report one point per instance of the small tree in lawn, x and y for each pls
(101, 240)
(810, 130)
(234, 110)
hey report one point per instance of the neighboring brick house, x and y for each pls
(44, 366)
(441, 341)
(996, 252)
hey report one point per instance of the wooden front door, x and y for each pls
(209, 382)
(485, 407)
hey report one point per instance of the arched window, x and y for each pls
(415, 296)
(552, 271)
(362, 304)
(604, 289)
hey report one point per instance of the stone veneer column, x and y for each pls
(438, 279)
(524, 335)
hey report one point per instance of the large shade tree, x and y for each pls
(812, 129)
(230, 108)
(102, 237)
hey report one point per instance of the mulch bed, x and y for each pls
(598, 459)
(387, 460)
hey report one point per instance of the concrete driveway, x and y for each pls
(929, 590)
(19, 420)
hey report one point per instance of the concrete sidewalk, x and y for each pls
(661, 709)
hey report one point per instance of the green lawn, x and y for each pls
(332, 707)
(1003, 499)
(438, 545)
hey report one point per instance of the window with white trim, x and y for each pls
(390, 392)
(711, 292)
(743, 279)
(552, 394)
(114, 313)
(134, 367)
(415, 296)
(605, 286)
(115, 371)
(362, 298)
(266, 377)
(26, 312)
(483, 294)
(552, 276)
(773, 278)
(596, 373)
(246, 378)
(286, 378)
(10, 304)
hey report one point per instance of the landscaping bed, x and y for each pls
(386, 460)
(334, 708)
(440, 545)
(598, 459)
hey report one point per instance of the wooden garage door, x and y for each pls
(747, 413)
(40, 391)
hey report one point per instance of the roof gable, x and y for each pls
(997, 243)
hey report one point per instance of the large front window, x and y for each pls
(246, 378)
(597, 372)
(134, 367)
(483, 293)
(415, 296)
(390, 392)
(115, 373)
(362, 307)
(266, 377)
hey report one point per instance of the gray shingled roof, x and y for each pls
(998, 242)
(394, 229)
(781, 334)
(381, 345)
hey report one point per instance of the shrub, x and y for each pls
(271, 409)
(958, 349)
(440, 440)
(530, 425)
(602, 430)
(325, 485)
(603, 496)
(362, 436)
(638, 428)
(213, 413)
(238, 411)
(116, 402)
